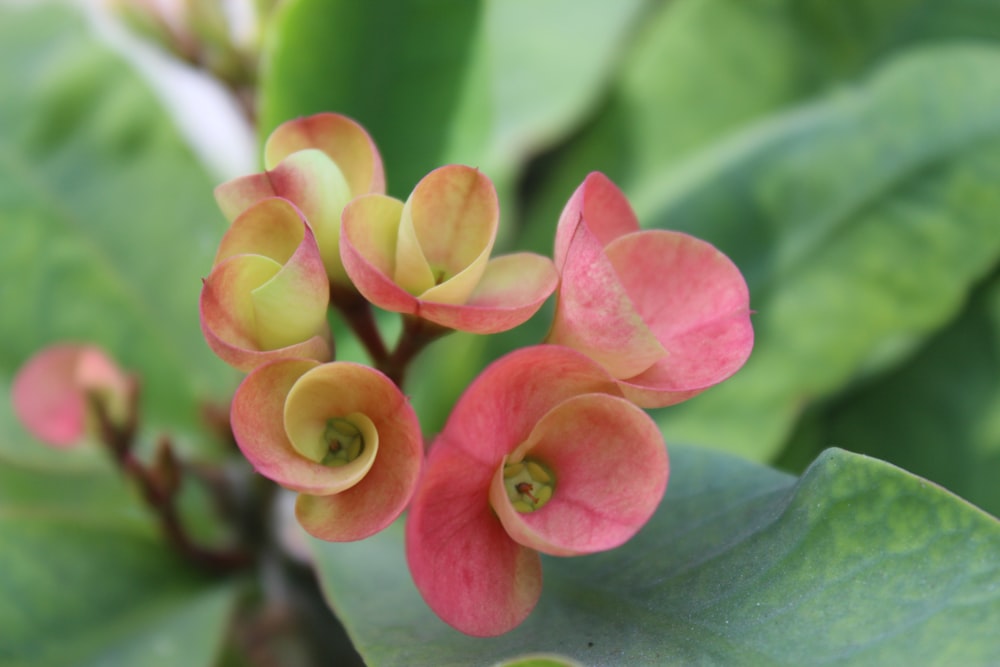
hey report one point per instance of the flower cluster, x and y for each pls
(548, 451)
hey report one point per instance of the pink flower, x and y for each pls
(319, 163)
(267, 295)
(53, 389)
(430, 257)
(666, 314)
(541, 454)
(341, 434)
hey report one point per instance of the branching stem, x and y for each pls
(159, 485)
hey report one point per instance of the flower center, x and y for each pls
(344, 442)
(440, 275)
(529, 485)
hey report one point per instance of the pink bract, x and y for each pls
(430, 256)
(267, 294)
(545, 406)
(667, 314)
(279, 415)
(320, 163)
(50, 391)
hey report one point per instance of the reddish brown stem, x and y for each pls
(357, 312)
(159, 490)
(417, 334)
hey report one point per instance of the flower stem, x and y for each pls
(417, 334)
(357, 312)
(159, 485)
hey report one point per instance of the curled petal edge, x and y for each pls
(610, 471)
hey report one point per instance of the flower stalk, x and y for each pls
(159, 485)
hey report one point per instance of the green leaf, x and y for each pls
(397, 68)
(938, 415)
(856, 562)
(736, 61)
(531, 79)
(99, 492)
(108, 219)
(539, 660)
(483, 83)
(867, 218)
(98, 592)
(701, 72)
(698, 70)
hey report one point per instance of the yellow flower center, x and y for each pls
(529, 485)
(344, 442)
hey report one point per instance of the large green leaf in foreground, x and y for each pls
(85, 580)
(107, 221)
(856, 562)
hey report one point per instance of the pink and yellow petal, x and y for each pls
(383, 494)
(237, 195)
(236, 323)
(257, 416)
(602, 207)
(454, 214)
(411, 270)
(49, 392)
(227, 334)
(318, 188)
(446, 233)
(519, 280)
(230, 286)
(268, 289)
(368, 249)
(595, 314)
(341, 138)
(698, 309)
(314, 183)
(512, 289)
(502, 405)
(336, 390)
(458, 288)
(272, 228)
(291, 306)
(609, 468)
(462, 561)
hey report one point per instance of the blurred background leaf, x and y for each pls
(106, 219)
(937, 415)
(698, 71)
(395, 68)
(482, 82)
(85, 579)
(106, 224)
(874, 214)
